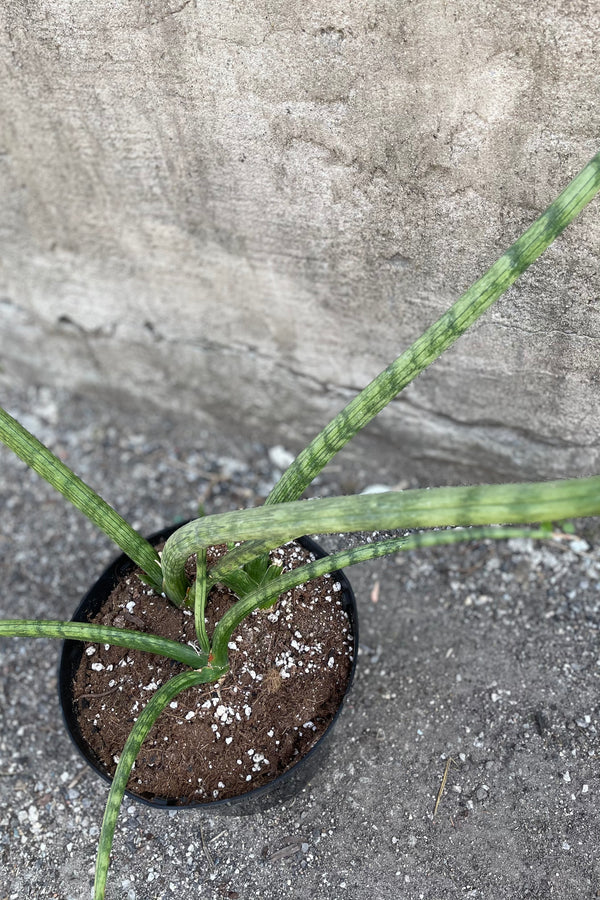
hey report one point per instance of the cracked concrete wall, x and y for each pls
(245, 210)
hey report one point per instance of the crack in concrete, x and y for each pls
(533, 438)
(548, 332)
(167, 14)
(325, 387)
(14, 308)
(174, 12)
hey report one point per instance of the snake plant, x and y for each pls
(491, 511)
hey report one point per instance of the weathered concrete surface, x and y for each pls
(247, 209)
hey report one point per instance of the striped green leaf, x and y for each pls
(60, 476)
(200, 595)
(266, 594)
(144, 723)
(101, 634)
(432, 343)
(423, 508)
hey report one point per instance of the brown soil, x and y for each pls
(289, 669)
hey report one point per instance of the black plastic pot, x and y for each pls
(281, 788)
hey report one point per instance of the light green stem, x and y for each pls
(200, 594)
(101, 634)
(144, 723)
(56, 473)
(288, 580)
(479, 505)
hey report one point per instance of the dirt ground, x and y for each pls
(479, 673)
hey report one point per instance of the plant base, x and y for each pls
(218, 744)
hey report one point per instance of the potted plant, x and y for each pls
(239, 549)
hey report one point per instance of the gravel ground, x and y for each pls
(481, 662)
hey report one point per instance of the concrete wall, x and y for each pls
(246, 209)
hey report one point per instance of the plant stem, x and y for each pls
(56, 473)
(101, 634)
(480, 505)
(144, 723)
(289, 580)
(200, 594)
(432, 343)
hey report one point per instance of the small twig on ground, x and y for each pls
(449, 762)
(206, 851)
(76, 779)
(291, 848)
(217, 836)
(100, 694)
